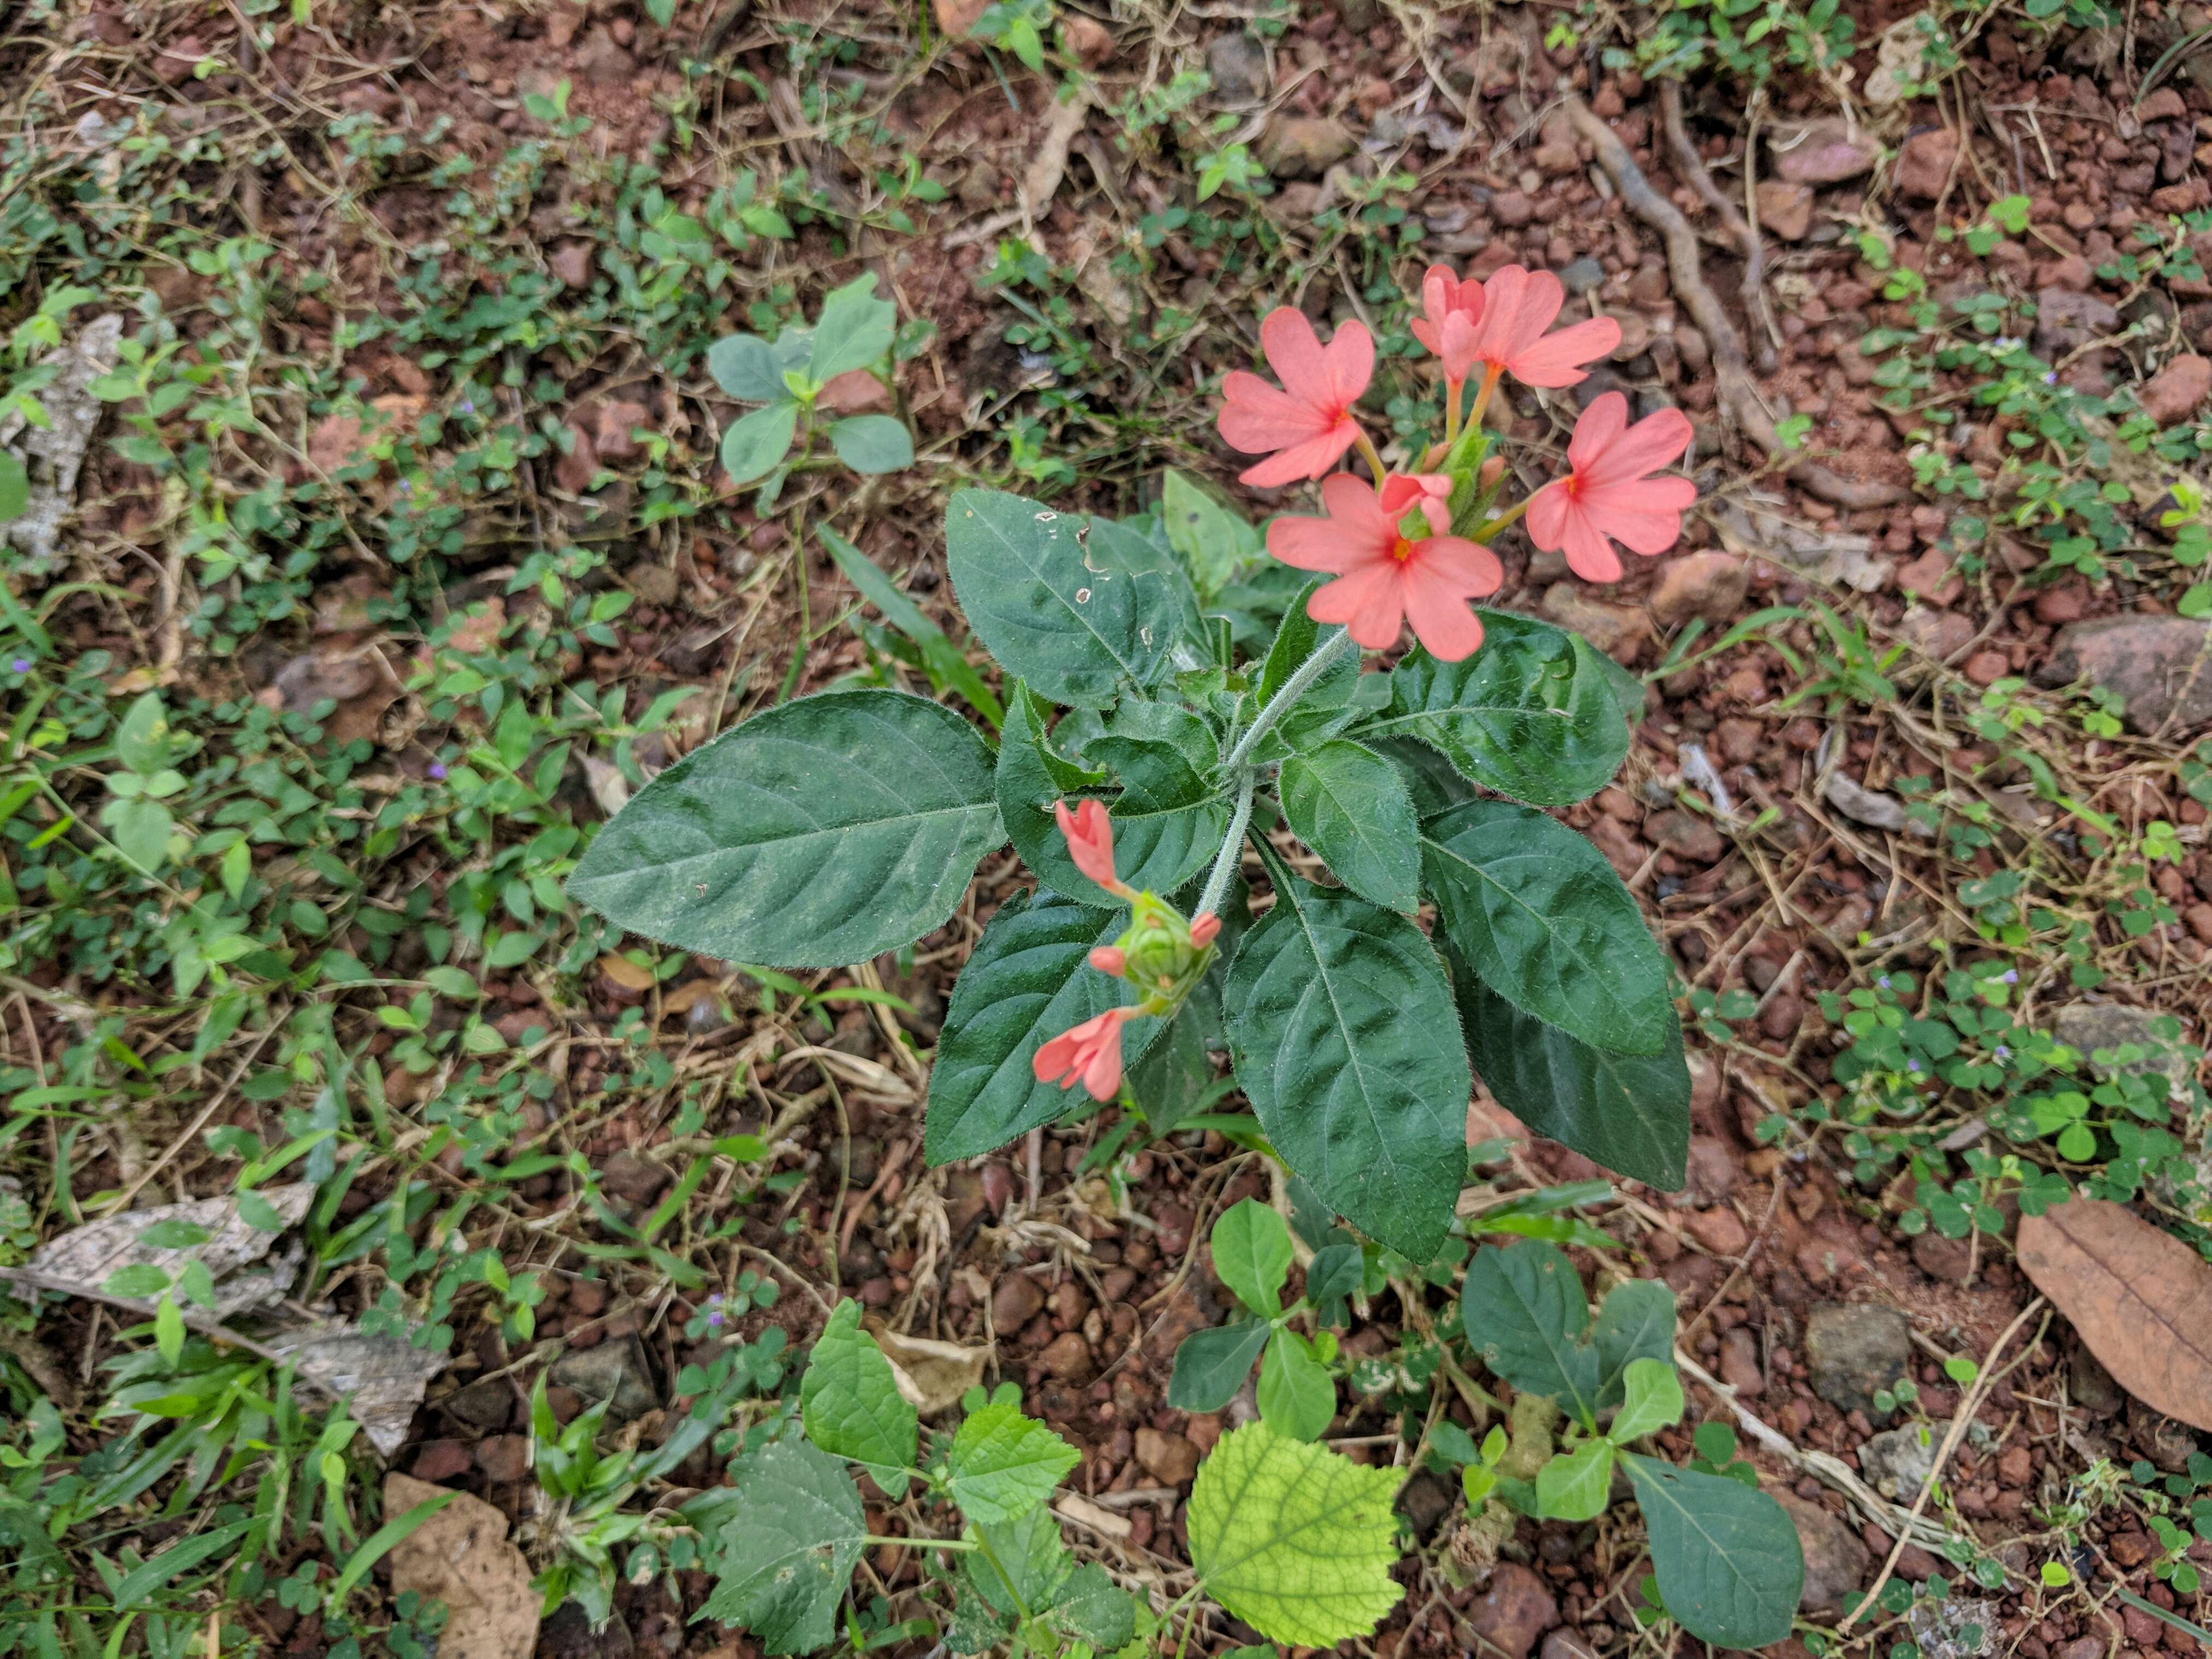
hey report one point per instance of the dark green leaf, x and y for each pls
(1033, 1555)
(1336, 1272)
(1628, 1112)
(1350, 805)
(1532, 714)
(1091, 1607)
(1729, 1566)
(1211, 1365)
(1635, 1322)
(1431, 779)
(747, 367)
(1076, 627)
(850, 1401)
(1338, 1021)
(1543, 919)
(817, 834)
(872, 443)
(786, 1546)
(1027, 982)
(1524, 1312)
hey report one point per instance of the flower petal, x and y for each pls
(1557, 360)
(1257, 416)
(1308, 459)
(1294, 352)
(1651, 443)
(1438, 612)
(1469, 568)
(1369, 602)
(1547, 519)
(1350, 363)
(1310, 544)
(1597, 430)
(1352, 504)
(1589, 555)
(1646, 516)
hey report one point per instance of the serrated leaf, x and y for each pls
(1728, 1560)
(854, 329)
(1339, 1020)
(1029, 981)
(1628, 1112)
(755, 442)
(1652, 1401)
(1091, 1607)
(1542, 919)
(1004, 1464)
(1635, 1322)
(1252, 1255)
(1350, 805)
(1064, 616)
(1295, 1539)
(1211, 1365)
(850, 1402)
(1574, 1485)
(872, 443)
(820, 833)
(1169, 819)
(1034, 1561)
(1296, 1396)
(1525, 1313)
(786, 1550)
(1532, 714)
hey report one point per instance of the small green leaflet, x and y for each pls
(1729, 1562)
(1525, 1314)
(872, 443)
(1252, 1254)
(1211, 1365)
(851, 1405)
(1004, 1464)
(1574, 1485)
(854, 329)
(755, 442)
(1652, 1401)
(789, 1546)
(1295, 1539)
(1296, 1396)
(15, 487)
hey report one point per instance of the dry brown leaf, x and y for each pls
(933, 1375)
(86, 1257)
(461, 1556)
(2141, 1299)
(381, 1379)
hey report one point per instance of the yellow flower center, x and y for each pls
(1402, 551)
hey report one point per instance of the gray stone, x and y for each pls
(1583, 274)
(1956, 1627)
(613, 1372)
(2095, 1026)
(1897, 1463)
(1239, 68)
(1304, 146)
(1836, 1560)
(485, 1403)
(2065, 321)
(2160, 664)
(1852, 1350)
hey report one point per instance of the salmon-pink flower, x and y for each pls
(1452, 311)
(1517, 306)
(1089, 835)
(1385, 580)
(1431, 491)
(1307, 422)
(1607, 495)
(1089, 1053)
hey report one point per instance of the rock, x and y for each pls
(1929, 577)
(486, 1404)
(1719, 1230)
(1168, 1458)
(1785, 209)
(1708, 585)
(2095, 1026)
(1239, 67)
(603, 60)
(1017, 1300)
(1711, 1172)
(1925, 165)
(1825, 152)
(1688, 835)
(1514, 1612)
(1956, 1627)
(572, 264)
(504, 1457)
(1851, 1350)
(335, 442)
(1304, 146)
(1424, 1500)
(1896, 1461)
(1836, 1562)
(1947, 1259)
(1941, 634)
(1988, 667)
(613, 1372)
(2146, 659)
(1567, 1645)
(461, 1556)
(2065, 321)
(2173, 393)
(635, 1180)
(1739, 1363)
(577, 465)
(618, 419)
(1093, 40)
(2017, 1467)
(1619, 630)
(956, 17)
(441, 1460)
(1582, 275)
(173, 64)
(1067, 1356)
(1512, 209)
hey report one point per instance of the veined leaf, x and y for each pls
(1653, 1401)
(1525, 1313)
(820, 833)
(1532, 714)
(755, 442)
(1350, 805)
(1541, 917)
(1004, 1464)
(1636, 1323)
(1211, 1365)
(1252, 1254)
(1296, 1396)
(1295, 1539)
(1338, 1021)
(1729, 1566)
(786, 1546)
(854, 330)
(850, 1402)
(1574, 1485)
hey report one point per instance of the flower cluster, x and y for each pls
(1394, 547)
(1160, 955)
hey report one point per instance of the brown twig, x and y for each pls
(1739, 397)
(1691, 167)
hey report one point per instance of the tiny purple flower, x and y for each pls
(406, 487)
(715, 1311)
(438, 770)
(1912, 1066)
(1883, 982)
(2012, 975)
(468, 406)
(2003, 1053)
(19, 665)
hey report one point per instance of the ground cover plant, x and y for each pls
(1057, 827)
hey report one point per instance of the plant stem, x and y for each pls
(1483, 531)
(1279, 705)
(924, 1543)
(1232, 848)
(1374, 460)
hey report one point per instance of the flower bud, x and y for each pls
(1110, 959)
(1203, 930)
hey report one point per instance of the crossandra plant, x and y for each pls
(1164, 717)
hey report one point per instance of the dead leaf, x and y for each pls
(2141, 1299)
(1873, 808)
(1074, 1506)
(461, 1556)
(85, 1258)
(380, 1378)
(54, 454)
(933, 1375)
(610, 788)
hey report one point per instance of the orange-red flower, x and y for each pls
(1089, 835)
(1402, 492)
(1305, 424)
(1384, 578)
(1452, 310)
(1517, 306)
(1089, 1053)
(1607, 495)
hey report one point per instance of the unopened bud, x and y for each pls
(1203, 930)
(1110, 959)
(1492, 471)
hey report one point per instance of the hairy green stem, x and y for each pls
(1281, 703)
(1232, 847)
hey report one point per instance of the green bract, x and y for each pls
(1155, 667)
